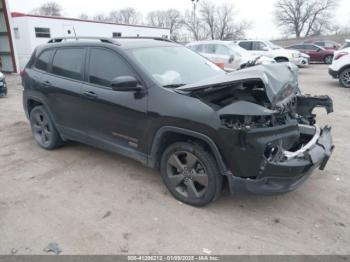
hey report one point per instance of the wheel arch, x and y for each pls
(32, 101)
(167, 135)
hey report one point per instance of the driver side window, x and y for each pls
(105, 65)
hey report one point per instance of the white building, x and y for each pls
(33, 30)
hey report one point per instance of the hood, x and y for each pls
(280, 80)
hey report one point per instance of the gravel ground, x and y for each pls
(93, 202)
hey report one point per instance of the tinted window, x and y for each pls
(296, 47)
(246, 45)
(259, 46)
(106, 65)
(43, 60)
(311, 47)
(222, 50)
(68, 62)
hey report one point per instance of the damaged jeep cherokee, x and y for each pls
(171, 109)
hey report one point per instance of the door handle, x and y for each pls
(90, 94)
(46, 84)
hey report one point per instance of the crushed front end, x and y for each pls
(268, 134)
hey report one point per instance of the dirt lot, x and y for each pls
(94, 202)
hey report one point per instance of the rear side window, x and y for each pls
(68, 62)
(222, 50)
(246, 45)
(105, 65)
(42, 62)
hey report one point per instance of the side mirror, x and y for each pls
(319, 50)
(231, 58)
(125, 84)
(265, 48)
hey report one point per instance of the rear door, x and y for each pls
(64, 85)
(314, 52)
(112, 117)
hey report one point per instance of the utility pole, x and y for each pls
(195, 2)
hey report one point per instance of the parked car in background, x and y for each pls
(346, 44)
(340, 67)
(316, 53)
(331, 45)
(226, 53)
(269, 49)
(170, 108)
(3, 86)
(305, 60)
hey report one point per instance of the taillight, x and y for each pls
(339, 55)
(22, 72)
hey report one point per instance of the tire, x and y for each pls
(281, 60)
(191, 174)
(328, 59)
(43, 129)
(344, 77)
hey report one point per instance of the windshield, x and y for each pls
(175, 66)
(272, 45)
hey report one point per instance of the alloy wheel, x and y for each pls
(41, 128)
(345, 78)
(328, 59)
(187, 175)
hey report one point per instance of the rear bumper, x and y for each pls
(299, 165)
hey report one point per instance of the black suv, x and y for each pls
(169, 108)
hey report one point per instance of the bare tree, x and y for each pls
(219, 21)
(208, 16)
(171, 19)
(304, 17)
(101, 18)
(194, 26)
(129, 16)
(49, 9)
(83, 16)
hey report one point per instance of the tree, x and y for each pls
(83, 16)
(170, 18)
(194, 26)
(304, 17)
(129, 16)
(219, 21)
(49, 9)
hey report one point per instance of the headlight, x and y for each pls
(296, 55)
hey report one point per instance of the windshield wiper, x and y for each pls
(173, 85)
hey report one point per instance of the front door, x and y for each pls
(112, 117)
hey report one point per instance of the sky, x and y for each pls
(258, 12)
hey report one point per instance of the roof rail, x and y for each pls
(102, 39)
(146, 37)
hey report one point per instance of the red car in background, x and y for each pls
(331, 45)
(316, 53)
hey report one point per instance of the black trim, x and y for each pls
(163, 130)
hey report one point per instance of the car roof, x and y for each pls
(123, 43)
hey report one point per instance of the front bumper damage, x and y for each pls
(295, 168)
(281, 170)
